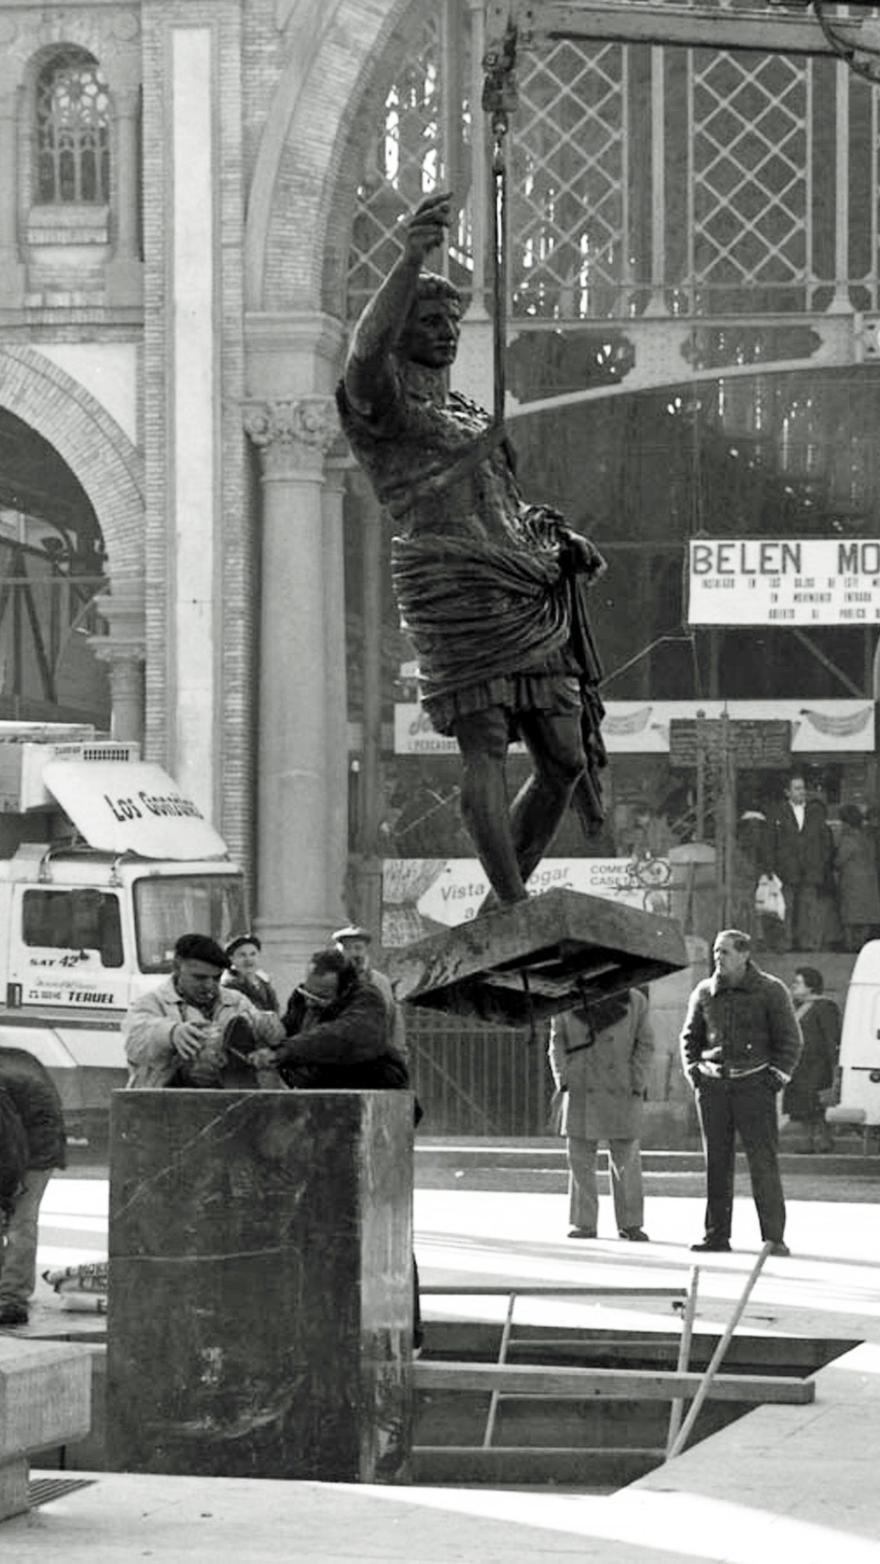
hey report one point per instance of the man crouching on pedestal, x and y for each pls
(489, 589)
(194, 1031)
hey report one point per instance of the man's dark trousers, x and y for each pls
(746, 1104)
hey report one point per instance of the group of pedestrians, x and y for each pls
(827, 875)
(745, 1040)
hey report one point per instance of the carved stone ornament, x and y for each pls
(293, 436)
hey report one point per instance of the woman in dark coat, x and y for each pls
(858, 891)
(819, 1020)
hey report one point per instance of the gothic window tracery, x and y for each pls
(72, 129)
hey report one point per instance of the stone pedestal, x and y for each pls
(260, 1307)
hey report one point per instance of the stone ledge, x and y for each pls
(45, 1396)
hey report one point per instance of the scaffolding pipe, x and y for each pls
(714, 1364)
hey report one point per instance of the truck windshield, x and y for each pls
(165, 908)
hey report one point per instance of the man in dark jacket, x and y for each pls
(29, 1087)
(336, 1032)
(740, 1044)
(801, 853)
(336, 1025)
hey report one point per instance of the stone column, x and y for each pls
(11, 268)
(337, 693)
(124, 272)
(260, 1284)
(299, 898)
(124, 651)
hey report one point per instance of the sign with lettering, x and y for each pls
(757, 746)
(132, 807)
(767, 581)
(420, 895)
(644, 727)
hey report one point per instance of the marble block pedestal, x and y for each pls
(260, 1299)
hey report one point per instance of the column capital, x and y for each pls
(294, 436)
(127, 639)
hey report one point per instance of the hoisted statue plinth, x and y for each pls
(491, 592)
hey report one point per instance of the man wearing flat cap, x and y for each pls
(179, 1034)
(355, 942)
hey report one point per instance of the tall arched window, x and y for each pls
(72, 130)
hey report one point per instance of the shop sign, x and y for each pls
(644, 727)
(767, 581)
(756, 746)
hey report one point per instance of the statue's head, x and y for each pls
(430, 335)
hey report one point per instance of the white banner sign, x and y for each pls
(642, 727)
(420, 894)
(765, 581)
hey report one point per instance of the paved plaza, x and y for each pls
(784, 1482)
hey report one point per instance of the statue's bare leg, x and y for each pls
(485, 807)
(555, 745)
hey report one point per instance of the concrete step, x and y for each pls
(548, 1157)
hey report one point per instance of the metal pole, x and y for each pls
(369, 910)
(684, 1355)
(715, 1361)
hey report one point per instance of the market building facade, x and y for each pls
(196, 199)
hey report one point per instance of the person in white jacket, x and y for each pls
(599, 1058)
(178, 1034)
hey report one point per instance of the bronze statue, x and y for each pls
(489, 588)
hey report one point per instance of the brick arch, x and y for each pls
(96, 450)
(298, 225)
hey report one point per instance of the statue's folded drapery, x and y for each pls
(476, 612)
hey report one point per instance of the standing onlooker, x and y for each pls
(243, 955)
(29, 1089)
(355, 943)
(740, 1044)
(819, 1021)
(800, 852)
(599, 1057)
(856, 863)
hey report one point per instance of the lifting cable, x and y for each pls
(500, 100)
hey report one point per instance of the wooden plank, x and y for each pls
(547, 1289)
(533, 1379)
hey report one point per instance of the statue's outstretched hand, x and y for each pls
(584, 557)
(426, 229)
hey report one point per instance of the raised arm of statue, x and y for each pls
(368, 379)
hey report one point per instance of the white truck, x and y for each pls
(860, 1044)
(103, 863)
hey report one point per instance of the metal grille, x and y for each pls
(663, 178)
(73, 130)
(43, 1490)
(479, 1080)
(569, 187)
(750, 184)
(409, 155)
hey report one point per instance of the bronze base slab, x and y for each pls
(517, 964)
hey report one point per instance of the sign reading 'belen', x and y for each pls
(766, 581)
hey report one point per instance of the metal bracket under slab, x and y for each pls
(517, 964)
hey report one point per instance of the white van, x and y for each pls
(860, 1041)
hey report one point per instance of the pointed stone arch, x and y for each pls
(299, 217)
(96, 450)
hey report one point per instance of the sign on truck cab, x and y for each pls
(89, 923)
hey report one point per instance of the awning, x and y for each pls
(122, 806)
